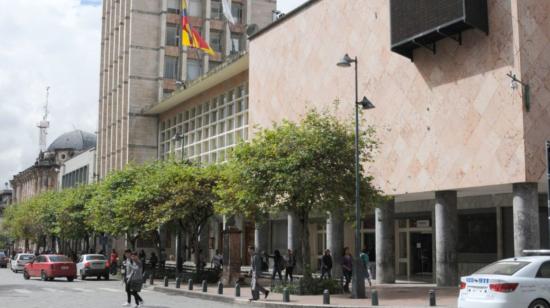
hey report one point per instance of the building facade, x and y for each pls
(142, 62)
(79, 170)
(461, 152)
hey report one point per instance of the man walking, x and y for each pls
(326, 265)
(255, 270)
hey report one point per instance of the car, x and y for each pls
(3, 260)
(93, 265)
(48, 267)
(19, 260)
(521, 282)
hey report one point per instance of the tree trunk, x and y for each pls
(196, 247)
(304, 224)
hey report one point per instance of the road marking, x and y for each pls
(112, 290)
(22, 291)
(50, 290)
(81, 290)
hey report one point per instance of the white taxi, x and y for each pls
(522, 282)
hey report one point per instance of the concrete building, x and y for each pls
(79, 170)
(5, 200)
(461, 151)
(141, 63)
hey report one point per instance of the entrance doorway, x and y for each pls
(421, 254)
(414, 253)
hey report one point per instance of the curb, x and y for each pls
(259, 303)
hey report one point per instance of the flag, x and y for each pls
(227, 12)
(189, 36)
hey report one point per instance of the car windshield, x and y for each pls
(26, 257)
(507, 268)
(2, 254)
(59, 259)
(93, 258)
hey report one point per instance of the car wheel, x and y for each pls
(82, 276)
(43, 276)
(70, 279)
(539, 303)
(26, 275)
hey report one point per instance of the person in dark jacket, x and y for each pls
(326, 265)
(347, 265)
(153, 260)
(255, 271)
(290, 264)
(278, 264)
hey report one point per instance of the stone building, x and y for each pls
(141, 63)
(5, 199)
(462, 151)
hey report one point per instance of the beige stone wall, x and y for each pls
(445, 121)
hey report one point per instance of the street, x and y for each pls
(20, 293)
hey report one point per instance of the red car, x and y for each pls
(47, 267)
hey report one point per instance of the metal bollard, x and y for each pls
(165, 281)
(374, 298)
(178, 283)
(286, 295)
(431, 295)
(326, 297)
(190, 284)
(152, 279)
(220, 287)
(204, 286)
(237, 290)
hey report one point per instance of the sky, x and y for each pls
(53, 43)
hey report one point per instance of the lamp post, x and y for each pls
(179, 260)
(358, 280)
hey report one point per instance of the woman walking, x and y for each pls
(134, 279)
(278, 264)
(347, 265)
(290, 264)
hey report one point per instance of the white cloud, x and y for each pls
(52, 43)
(288, 5)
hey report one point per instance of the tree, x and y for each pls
(300, 168)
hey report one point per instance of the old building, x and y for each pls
(142, 62)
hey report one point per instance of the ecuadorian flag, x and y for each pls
(189, 36)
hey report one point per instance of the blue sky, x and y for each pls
(90, 2)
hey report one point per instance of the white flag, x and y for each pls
(227, 12)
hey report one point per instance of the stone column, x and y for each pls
(446, 238)
(294, 240)
(261, 235)
(526, 217)
(335, 241)
(385, 242)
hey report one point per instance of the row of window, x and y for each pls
(194, 8)
(216, 38)
(75, 178)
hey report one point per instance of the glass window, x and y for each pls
(230, 110)
(195, 8)
(173, 6)
(216, 39)
(237, 11)
(170, 67)
(194, 69)
(477, 233)
(216, 9)
(59, 259)
(172, 35)
(544, 270)
(235, 42)
(507, 268)
(221, 141)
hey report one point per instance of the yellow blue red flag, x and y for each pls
(189, 36)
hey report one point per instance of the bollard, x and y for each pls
(374, 298)
(178, 283)
(326, 297)
(152, 279)
(190, 285)
(165, 281)
(220, 287)
(237, 290)
(431, 294)
(204, 286)
(286, 295)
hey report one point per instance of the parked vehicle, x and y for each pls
(93, 265)
(3, 259)
(48, 267)
(19, 260)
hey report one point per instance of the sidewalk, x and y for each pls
(389, 295)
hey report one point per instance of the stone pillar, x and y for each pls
(261, 235)
(385, 242)
(335, 241)
(231, 255)
(526, 217)
(446, 238)
(294, 240)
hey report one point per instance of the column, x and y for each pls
(446, 238)
(294, 240)
(526, 217)
(385, 242)
(335, 241)
(261, 233)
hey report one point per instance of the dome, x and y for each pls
(76, 140)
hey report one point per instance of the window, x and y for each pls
(507, 268)
(212, 65)
(216, 40)
(477, 233)
(170, 67)
(193, 69)
(235, 42)
(216, 9)
(237, 12)
(173, 6)
(171, 35)
(195, 8)
(544, 270)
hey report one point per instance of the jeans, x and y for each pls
(325, 271)
(276, 271)
(288, 273)
(347, 276)
(129, 293)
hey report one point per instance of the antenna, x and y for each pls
(44, 124)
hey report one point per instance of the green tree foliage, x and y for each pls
(303, 168)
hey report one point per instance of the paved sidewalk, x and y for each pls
(390, 295)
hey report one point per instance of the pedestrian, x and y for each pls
(217, 260)
(365, 260)
(113, 260)
(265, 261)
(326, 265)
(142, 257)
(153, 260)
(278, 264)
(125, 269)
(290, 265)
(134, 279)
(255, 270)
(347, 265)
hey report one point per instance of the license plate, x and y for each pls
(478, 291)
(64, 268)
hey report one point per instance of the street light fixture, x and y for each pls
(179, 260)
(358, 281)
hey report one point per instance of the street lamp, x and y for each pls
(358, 281)
(179, 260)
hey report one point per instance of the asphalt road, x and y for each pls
(15, 292)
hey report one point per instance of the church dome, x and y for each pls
(76, 140)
